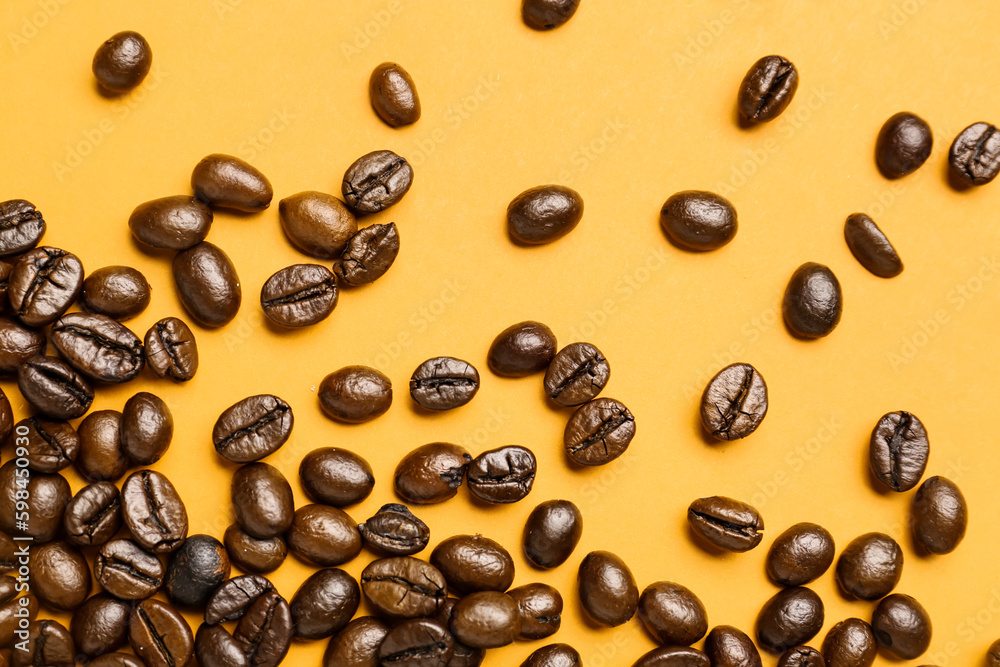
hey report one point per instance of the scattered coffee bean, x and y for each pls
(47, 497)
(404, 587)
(252, 428)
(18, 343)
(792, 617)
(262, 500)
(598, 432)
(502, 475)
(522, 349)
(251, 554)
(473, 563)
(299, 295)
(899, 450)
(554, 655)
(376, 181)
(672, 614)
(870, 566)
(395, 531)
(94, 515)
(904, 144)
(546, 15)
(207, 284)
(171, 350)
(122, 62)
(577, 374)
(228, 182)
(368, 255)
(418, 642)
(870, 246)
(431, 473)
(443, 383)
(357, 644)
(355, 394)
(101, 455)
(801, 656)
(974, 156)
(698, 220)
(59, 575)
(127, 571)
(53, 388)
(464, 656)
(551, 533)
(323, 536)
(902, 626)
(607, 588)
(540, 607)
(153, 512)
(51, 445)
(98, 347)
(147, 427)
(265, 631)
(394, 95)
(486, 619)
(215, 647)
(544, 214)
(159, 635)
(734, 402)
(673, 656)
(49, 643)
(324, 604)
(100, 625)
(233, 598)
(317, 224)
(813, 301)
(43, 284)
(767, 90)
(174, 223)
(21, 227)
(727, 646)
(120, 292)
(117, 660)
(939, 515)
(337, 477)
(196, 569)
(726, 523)
(799, 555)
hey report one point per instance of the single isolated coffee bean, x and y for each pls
(726, 523)
(554, 655)
(813, 301)
(251, 554)
(727, 646)
(299, 295)
(196, 570)
(120, 292)
(546, 15)
(59, 576)
(252, 428)
(974, 156)
(376, 181)
(444, 383)
(394, 95)
(734, 403)
(357, 644)
(234, 597)
(355, 394)
(607, 589)
(94, 514)
(21, 227)
(551, 533)
(207, 284)
(122, 62)
(47, 497)
(522, 349)
(101, 455)
(899, 450)
(544, 214)
(850, 643)
(801, 554)
(368, 255)
(577, 374)
(540, 607)
(416, 643)
(228, 182)
(598, 432)
(792, 617)
(334, 476)
(317, 224)
(404, 587)
(324, 604)
(171, 350)
(473, 563)
(486, 619)
(173, 223)
(502, 475)
(672, 614)
(673, 656)
(18, 343)
(99, 347)
(902, 626)
(100, 625)
(431, 473)
(262, 500)
(904, 143)
(51, 444)
(939, 515)
(767, 89)
(323, 536)
(153, 511)
(159, 635)
(43, 284)
(699, 220)
(48, 643)
(147, 427)
(871, 247)
(395, 531)
(265, 630)
(801, 656)
(870, 566)
(127, 571)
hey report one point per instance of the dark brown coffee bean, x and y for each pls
(39, 516)
(265, 631)
(727, 646)
(577, 374)
(801, 656)
(117, 660)
(904, 143)
(368, 255)
(49, 643)
(673, 656)
(974, 156)
(418, 642)
(734, 402)
(215, 647)
(147, 427)
(522, 349)
(21, 227)
(376, 181)
(357, 644)
(5, 269)
(698, 220)
(125, 570)
(443, 383)
(228, 182)
(672, 614)
(324, 536)
(902, 627)
(18, 343)
(159, 635)
(53, 388)
(395, 531)
(299, 295)
(334, 476)
(546, 15)
(486, 619)
(394, 95)
(252, 428)
(554, 655)
(544, 214)
(540, 608)
(502, 475)
(8, 559)
(44, 284)
(607, 589)
(801, 554)
(7, 420)
(153, 512)
(939, 515)
(99, 347)
(870, 246)
(101, 456)
(207, 284)
(174, 223)
(316, 223)
(792, 617)
(431, 473)
(233, 598)
(324, 604)
(473, 563)
(120, 292)
(196, 569)
(870, 566)
(993, 654)
(262, 500)
(551, 533)
(59, 575)
(404, 587)
(94, 514)
(252, 555)
(122, 62)
(726, 523)
(171, 350)
(813, 301)
(598, 432)
(899, 450)
(51, 445)
(355, 394)
(850, 643)
(767, 89)
(100, 625)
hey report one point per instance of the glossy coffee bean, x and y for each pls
(299, 295)
(18, 343)
(153, 511)
(870, 566)
(726, 523)
(215, 647)
(229, 182)
(431, 473)
(252, 428)
(93, 516)
(607, 588)
(577, 374)
(904, 143)
(598, 432)
(49, 643)
(464, 656)
(486, 619)
(116, 660)
(850, 643)
(59, 576)
(127, 571)
(698, 220)
(357, 644)
(734, 403)
(444, 383)
(13, 608)
(98, 347)
(21, 227)
(672, 614)
(551, 533)
(101, 456)
(173, 223)
(265, 631)
(871, 247)
(522, 349)
(939, 515)
(100, 625)
(473, 563)
(147, 427)
(376, 181)
(39, 516)
(159, 635)
(7, 421)
(394, 95)
(767, 89)
(546, 15)
(544, 214)
(324, 604)
(233, 598)
(801, 656)
(368, 255)
(53, 388)
(974, 156)
(5, 269)
(502, 475)
(51, 445)
(8, 559)
(43, 284)
(673, 656)
(395, 531)
(355, 394)
(120, 292)
(801, 554)
(317, 224)
(554, 655)
(792, 617)
(323, 536)
(207, 284)
(171, 350)
(727, 646)
(899, 450)
(251, 554)
(540, 608)
(122, 62)
(334, 476)
(993, 654)
(418, 642)
(813, 302)
(404, 587)
(902, 626)
(262, 500)
(196, 569)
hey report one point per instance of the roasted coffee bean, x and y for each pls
(792, 617)
(101, 456)
(18, 343)
(395, 531)
(902, 626)
(207, 284)
(153, 512)
(813, 301)
(228, 182)
(44, 284)
(899, 450)
(122, 62)
(117, 660)
(598, 432)
(801, 554)
(726, 523)
(51, 445)
(94, 514)
(544, 214)
(767, 89)
(215, 647)
(404, 587)
(355, 394)
(59, 575)
(14, 608)
(904, 143)
(252, 428)
(473, 563)
(299, 295)
(939, 515)
(431, 473)
(127, 571)
(870, 566)
(464, 656)
(5, 269)
(502, 475)
(6, 419)
(21, 227)
(147, 428)
(368, 255)
(734, 402)
(418, 642)
(173, 223)
(673, 656)
(8, 559)
(323, 536)
(698, 220)
(337, 477)
(443, 383)
(376, 181)
(522, 349)
(577, 374)
(53, 388)
(551, 533)
(486, 619)
(850, 643)
(196, 569)
(120, 292)
(159, 635)
(870, 246)
(316, 223)
(540, 608)
(265, 631)
(974, 156)
(607, 588)
(554, 655)
(357, 644)
(672, 614)
(546, 15)
(100, 625)
(171, 350)
(99, 347)
(324, 604)
(251, 554)
(233, 598)
(49, 643)
(801, 656)
(39, 516)
(993, 654)
(262, 500)
(727, 646)
(394, 95)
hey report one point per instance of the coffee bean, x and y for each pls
(265, 631)
(233, 598)
(101, 455)
(939, 515)
(902, 627)
(870, 566)
(540, 608)
(117, 660)
(127, 571)
(171, 350)
(18, 343)
(850, 643)
(53, 388)
(801, 656)
(522, 349)
(443, 383)
(153, 512)
(698, 220)
(368, 255)
(395, 531)
(974, 156)
(215, 647)
(299, 295)
(59, 575)
(355, 394)
(357, 644)
(94, 514)
(546, 15)
(551, 533)
(228, 182)
(376, 181)
(799, 555)
(486, 619)
(502, 475)
(577, 374)
(100, 625)
(404, 587)
(394, 95)
(324, 536)
(252, 428)
(251, 554)
(8, 559)
(147, 427)
(870, 246)
(99, 347)
(324, 604)
(122, 62)
(51, 445)
(418, 642)
(431, 473)
(173, 223)
(598, 432)
(727, 646)
(792, 617)
(317, 224)
(207, 284)
(337, 477)
(544, 214)
(993, 654)
(899, 450)
(672, 614)
(673, 656)
(607, 589)
(43, 284)
(196, 569)
(159, 635)
(554, 655)
(904, 143)
(49, 643)
(262, 500)
(726, 523)
(39, 515)
(767, 89)
(120, 292)
(21, 227)
(473, 563)
(813, 301)
(13, 608)
(734, 402)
